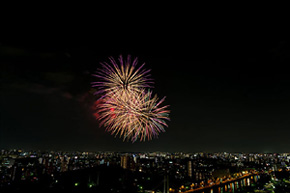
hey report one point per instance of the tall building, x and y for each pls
(189, 168)
(124, 161)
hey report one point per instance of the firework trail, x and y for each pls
(127, 108)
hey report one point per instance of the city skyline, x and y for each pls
(143, 172)
(225, 94)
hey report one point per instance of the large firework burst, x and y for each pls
(127, 108)
(125, 76)
(138, 117)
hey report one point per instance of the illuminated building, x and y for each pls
(189, 166)
(124, 161)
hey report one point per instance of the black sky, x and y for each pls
(228, 87)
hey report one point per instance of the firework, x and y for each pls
(127, 108)
(137, 117)
(124, 76)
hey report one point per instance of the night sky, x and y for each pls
(227, 91)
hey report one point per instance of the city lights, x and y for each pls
(150, 172)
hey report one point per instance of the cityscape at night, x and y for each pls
(163, 105)
(143, 172)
